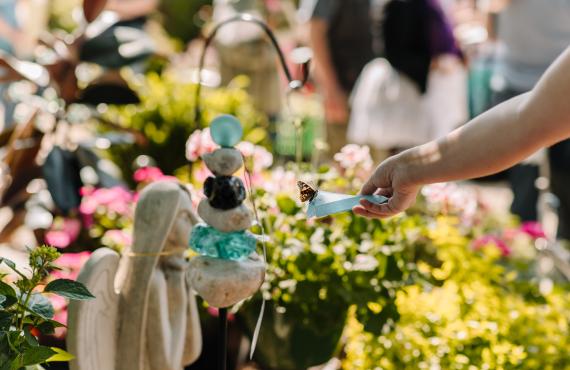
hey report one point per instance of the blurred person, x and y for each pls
(493, 141)
(347, 35)
(341, 38)
(530, 35)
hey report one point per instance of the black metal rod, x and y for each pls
(247, 18)
(222, 338)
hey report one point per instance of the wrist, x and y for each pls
(410, 167)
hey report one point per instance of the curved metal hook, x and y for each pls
(294, 84)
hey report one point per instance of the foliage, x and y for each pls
(181, 18)
(26, 312)
(488, 314)
(166, 116)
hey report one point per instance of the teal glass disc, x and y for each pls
(226, 130)
(210, 242)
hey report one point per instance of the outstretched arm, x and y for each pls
(491, 142)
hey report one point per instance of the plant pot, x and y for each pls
(292, 342)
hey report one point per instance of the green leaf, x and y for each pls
(287, 205)
(69, 289)
(5, 320)
(47, 327)
(8, 262)
(37, 355)
(7, 290)
(40, 306)
(32, 341)
(2, 299)
(60, 355)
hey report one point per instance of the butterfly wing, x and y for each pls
(306, 191)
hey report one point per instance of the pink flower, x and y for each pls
(492, 240)
(533, 229)
(352, 156)
(258, 157)
(202, 173)
(63, 233)
(151, 174)
(147, 174)
(116, 199)
(61, 317)
(199, 143)
(58, 238)
(74, 261)
(70, 264)
(281, 180)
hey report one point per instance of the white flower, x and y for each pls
(364, 262)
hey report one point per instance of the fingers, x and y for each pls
(368, 188)
(385, 192)
(361, 211)
(396, 204)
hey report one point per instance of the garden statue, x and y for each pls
(145, 316)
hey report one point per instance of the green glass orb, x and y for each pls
(226, 130)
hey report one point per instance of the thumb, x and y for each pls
(368, 188)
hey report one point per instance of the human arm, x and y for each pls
(336, 101)
(489, 143)
(129, 9)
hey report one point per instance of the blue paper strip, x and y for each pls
(326, 203)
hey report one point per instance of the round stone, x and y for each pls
(226, 130)
(235, 219)
(224, 192)
(223, 161)
(223, 283)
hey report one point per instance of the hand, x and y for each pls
(390, 179)
(336, 107)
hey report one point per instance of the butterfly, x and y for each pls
(307, 192)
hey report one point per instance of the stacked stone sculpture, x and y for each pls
(228, 269)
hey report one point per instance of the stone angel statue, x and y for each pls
(145, 315)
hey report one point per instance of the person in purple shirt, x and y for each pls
(347, 34)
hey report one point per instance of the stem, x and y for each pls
(23, 308)
(223, 338)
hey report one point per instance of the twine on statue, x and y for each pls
(155, 254)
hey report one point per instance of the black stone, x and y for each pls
(224, 192)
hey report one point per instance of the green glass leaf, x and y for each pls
(69, 289)
(37, 355)
(60, 355)
(40, 306)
